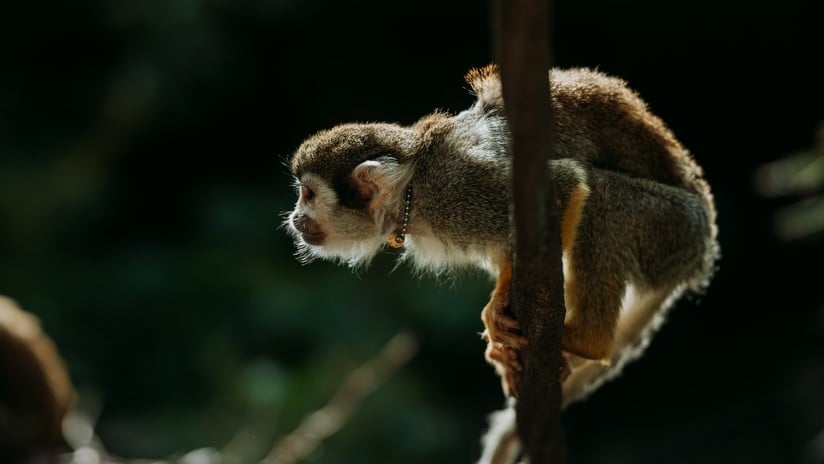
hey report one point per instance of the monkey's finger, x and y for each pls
(506, 356)
(505, 321)
(513, 340)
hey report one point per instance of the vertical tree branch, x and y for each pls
(537, 285)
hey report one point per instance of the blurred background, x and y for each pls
(142, 181)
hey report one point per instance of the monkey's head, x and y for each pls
(350, 181)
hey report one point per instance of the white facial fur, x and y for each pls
(351, 236)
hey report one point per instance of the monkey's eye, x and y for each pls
(306, 194)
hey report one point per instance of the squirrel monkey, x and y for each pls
(638, 219)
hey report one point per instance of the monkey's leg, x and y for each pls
(642, 317)
(503, 332)
(593, 300)
(507, 366)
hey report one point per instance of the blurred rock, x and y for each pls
(35, 390)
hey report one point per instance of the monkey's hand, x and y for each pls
(503, 334)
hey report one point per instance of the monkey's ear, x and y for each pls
(376, 180)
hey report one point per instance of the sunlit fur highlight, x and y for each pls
(429, 255)
(638, 224)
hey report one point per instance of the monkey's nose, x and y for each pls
(309, 229)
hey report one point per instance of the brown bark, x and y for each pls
(537, 285)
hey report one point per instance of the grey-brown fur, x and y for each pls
(602, 122)
(637, 210)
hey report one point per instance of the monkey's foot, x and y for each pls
(507, 365)
(504, 340)
(500, 353)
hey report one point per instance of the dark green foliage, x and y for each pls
(142, 180)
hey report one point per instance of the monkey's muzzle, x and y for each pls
(310, 230)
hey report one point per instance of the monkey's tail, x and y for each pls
(712, 250)
(501, 444)
(641, 316)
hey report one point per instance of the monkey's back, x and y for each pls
(600, 121)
